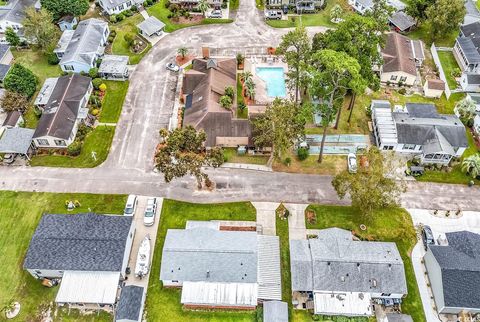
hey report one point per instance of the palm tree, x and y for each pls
(246, 76)
(202, 6)
(471, 165)
(250, 90)
(183, 51)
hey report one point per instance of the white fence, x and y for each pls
(436, 59)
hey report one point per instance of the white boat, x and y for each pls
(143, 258)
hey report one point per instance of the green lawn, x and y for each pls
(163, 304)
(37, 63)
(331, 164)
(392, 225)
(260, 4)
(449, 65)
(281, 227)
(21, 213)
(120, 46)
(158, 10)
(113, 101)
(98, 140)
(233, 4)
(230, 155)
(422, 32)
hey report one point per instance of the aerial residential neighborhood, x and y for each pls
(240, 160)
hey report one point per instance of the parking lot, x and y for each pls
(140, 232)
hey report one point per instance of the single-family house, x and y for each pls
(63, 102)
(301, 6)
(16, 140)
(131, 304)
(467, 55)
(79, 49)
(401, 22)
(433, 88)
(475, 98)
(12, 15)
(337, 274)
(454, 273)
(88, 252)
(68, 22)
(401, 57)
(472, 14)
(4, 69)
(418, 130)
(275, 311)
(217, 268)
(114, 67)
(113, 7)
(193, 3)
(362, 6)
(203, 85)
(151, 27)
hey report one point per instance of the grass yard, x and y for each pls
(98, 140)
(113, 101)
(260, 4)
(332, 164)
(230, 155)
(392, 225)
(37, 63)
(234, 4)
(120, 46)
(281, 227)
(449, 65)
(21, 213)
(422, 32)
(163, 304)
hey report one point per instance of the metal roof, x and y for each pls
(386, 129)
(345, 303)
(46, 91)
(113, 64)
(16, 140)
(219, 294)
(151, 25)
(130, 305)
(275, 311)
(88, 287)
(269, 275)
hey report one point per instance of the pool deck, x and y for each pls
(251, 65)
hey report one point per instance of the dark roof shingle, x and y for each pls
(131, 303)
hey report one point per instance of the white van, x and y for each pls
(131, 205)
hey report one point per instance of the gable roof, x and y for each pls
(16, 140)
(401, 20)
(81, 242)
(14, 11)
(110, 4)
(460, 267)
(436, 84)
(469, 49)
(63, 106)
(4, 69)
(131, 303)
(86, 42)
(151, 25)
(342, 264)
(471, 31)
(398, 54)
(12, 118)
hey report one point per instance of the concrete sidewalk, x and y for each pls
(246, 166)
(266, 216)
(296, 221)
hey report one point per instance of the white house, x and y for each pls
(63, 102)
(79, 49)
(418, 130)
(362, 6)
(112, 7)
(433, 88)
(337, 274)
(88, 252)
(12, 15)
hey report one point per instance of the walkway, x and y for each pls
(296, 221)
(266, 216)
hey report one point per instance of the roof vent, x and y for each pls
(342, 278)
(374, 282)
(208, 274)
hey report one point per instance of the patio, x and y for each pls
(252, 64)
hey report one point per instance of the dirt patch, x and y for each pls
(193, 19)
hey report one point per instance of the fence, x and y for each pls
(436, 59)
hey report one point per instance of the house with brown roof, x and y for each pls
(401, 57)
(433, 88)
(203, 85)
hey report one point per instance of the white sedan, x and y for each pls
(173, 67)
(352, 163)
(150, 211)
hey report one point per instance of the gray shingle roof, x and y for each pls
(113, 64)
(81, 242)
(131, 303)
(3, 49)
(12, 118)
(227, 256)
(460, 265)
(275, 311)
(471, 31)
(16, 140)
(14, 11)
(397, 317)
(469, 49)
(86, 41)
(401, 20)
(301, 265)
(341, 263)
(151, 25)
(4, 71)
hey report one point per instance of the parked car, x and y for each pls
(173, 67)
(273, 15)
(285, 9)
(150, 211)
(427, 237)
(352, 163)
(215, 14)
(131, 205)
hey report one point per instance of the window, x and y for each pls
(386, 294)
(38, 272)
(403, 78)
(42, 142)
(68, 67)
(393, 77)
(388, 147)
(60, 143)
(174, 281)
(409, 146)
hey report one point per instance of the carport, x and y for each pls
(16, 140)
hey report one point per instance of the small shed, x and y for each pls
(67, 22)
(114, 67)
(401, 21)
(151, 27)
(16, 140)
(275, 311)
(434, 88)
(131, 304)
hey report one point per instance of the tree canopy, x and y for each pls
(12, 38)
(373, 186)
(444, 16)
(471, 165)
(13, 101)
(38, 26)
(60, 8)
(21, 80)
(183, 153)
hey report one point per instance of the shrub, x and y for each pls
(113, 18)
(145, 4)
(95, 112)
(52, 59)
(302, 153)
(93, 72)
(75, 148)
(149, 2)
(102, 87)
(167, 4)
(287, 161)
(242, 106)
(128, 13)
(134, 8)
(96, 82)
(111, 39)
(224, 5)
(120, 17)
(21, 80)
(229, 91)
(113, 33)
(129, 39)
(402, 91)
(82, 132)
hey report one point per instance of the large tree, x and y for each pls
(373, 186)
(60, 8)
(12, 38)
(295, 46)
(444, 17)
(183, 153)
(357, 36)
(281, 125)
(39, 27)
(381, 12)
(332, 74)
(13, 101)
(466, 110)
(21, 80)
(417, 8)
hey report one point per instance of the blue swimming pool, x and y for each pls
(274, 78)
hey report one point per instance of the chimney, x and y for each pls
(206, 52)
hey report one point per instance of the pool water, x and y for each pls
(274, 78)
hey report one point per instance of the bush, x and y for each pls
(111, 39)
(93, 72)
(149, 2)
(102, 87)
(287, 161)
(224, 5)
(52, 59)
(302, 153)
(97, 82)
(402, 91)
(21, 80)
(113, 18)
(82, 132)
(134, 8)
(128, 13)
(120, 17)
(95, 112)
(75, 148)
(129, 39)
(242, 106)
(145, 4)
(229, 91)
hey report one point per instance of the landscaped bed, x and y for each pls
(24, 210)
(163, 304)
(120, 46)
